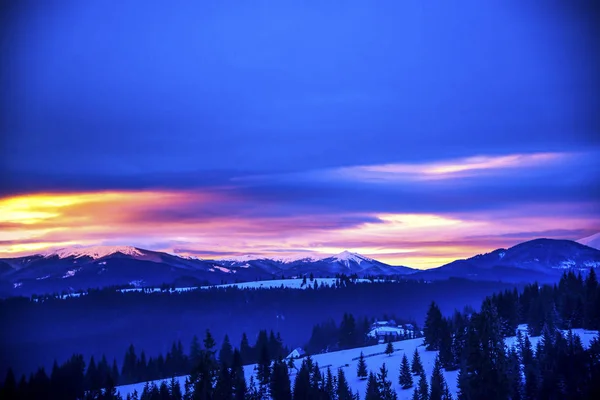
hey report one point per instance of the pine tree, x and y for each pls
(175, 390)
(405, 380)
(128, 371)
(385, 385)
(343, 391)
(415, 395)
(513, 373)
(110, 392)
(591, 311)
(195, 351)
(8, 390)
(423, 387)
(264, 366)
(237, 376)
(389, 349)
(329, 387)
(280, 382)
(361, 369)
(226, 352)
(302, 382)
(114, 374)
(438, 382)
(163, 389)
(432, 328)
(209, 343)
(246, 350)
(416, 366)
(224, 386)
(372, 388)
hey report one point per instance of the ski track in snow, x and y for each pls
(347, 359)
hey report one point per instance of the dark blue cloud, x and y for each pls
(145, 91)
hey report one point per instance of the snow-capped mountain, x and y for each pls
(94, 252)
(591, 241)
(79, 268)
(542, 260)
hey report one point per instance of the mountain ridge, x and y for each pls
(80, 268)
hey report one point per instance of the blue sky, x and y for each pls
(335, 111)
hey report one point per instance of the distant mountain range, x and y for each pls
(80, 268)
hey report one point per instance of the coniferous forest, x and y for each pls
(472, 342)
(558, 367)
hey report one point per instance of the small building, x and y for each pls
(298, 352)
(387, 332)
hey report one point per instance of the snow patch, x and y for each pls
(70, 273)
(42, 277)
(17, 285)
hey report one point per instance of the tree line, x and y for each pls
(472, 342)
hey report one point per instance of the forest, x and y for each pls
(558, 367)
(105, 322)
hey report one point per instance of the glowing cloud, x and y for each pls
(464, 167)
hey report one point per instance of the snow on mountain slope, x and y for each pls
(286, 283)
(347, 257)
(591, 241)
(375, 357)
(94, 252)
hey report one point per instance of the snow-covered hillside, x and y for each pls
(374, 357)
(277, 283)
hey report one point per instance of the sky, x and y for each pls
(408, 132)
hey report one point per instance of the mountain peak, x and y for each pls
(348, 256)
(94, 252)
(591, 241)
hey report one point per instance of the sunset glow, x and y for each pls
(193, 223)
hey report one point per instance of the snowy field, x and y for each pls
(269, 284)
(348, 359)
(287, 283)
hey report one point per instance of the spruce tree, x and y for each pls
(237, 376)
(343, 389)
(389, 349)
(513, 374)
(195, 351)
(386, 390)
(406, 379)
(264, 366)
(432, 328)
(280, 382)
(8, 390)
(423, 387)
(209, 343)
(372, 392)
(438, 382)
(416, 366)
(224, 385)
(302, 382)
(361, 369)
(175, 390)
(226, 352)
(163, 389)
(246, 350)
(329, 387)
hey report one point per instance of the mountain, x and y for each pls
(542, 260)
(79, 268)
(591, 241)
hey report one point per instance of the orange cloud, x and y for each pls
(212, 223)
